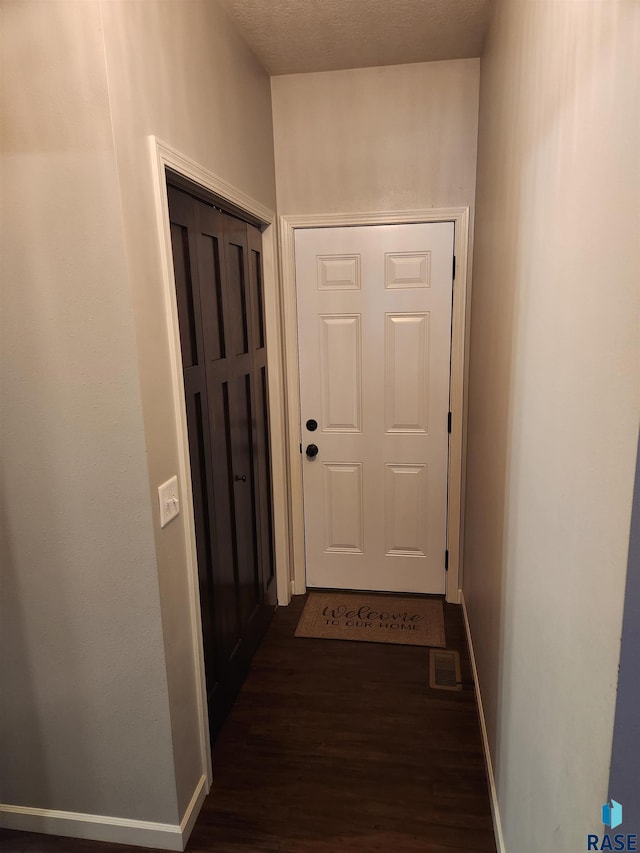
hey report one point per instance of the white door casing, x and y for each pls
(162, 156)
(374, 330)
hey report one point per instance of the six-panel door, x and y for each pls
(374, 325)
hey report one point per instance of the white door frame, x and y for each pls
(459, 331)
(163, 156)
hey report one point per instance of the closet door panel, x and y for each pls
(218, 275)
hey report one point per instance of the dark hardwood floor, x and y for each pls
(338, 747)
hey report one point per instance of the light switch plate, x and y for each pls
(169, 501)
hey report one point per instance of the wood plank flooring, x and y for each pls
(338, 747)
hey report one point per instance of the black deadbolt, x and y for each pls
(312, 451)
(312, 425)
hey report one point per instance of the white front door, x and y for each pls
(374, 330)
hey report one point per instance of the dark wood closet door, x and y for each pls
(218, 275)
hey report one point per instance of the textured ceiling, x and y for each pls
(294, 36)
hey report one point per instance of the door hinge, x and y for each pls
(454, 267)
(446, 560)
(449, 422)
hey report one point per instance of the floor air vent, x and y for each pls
(444, 669)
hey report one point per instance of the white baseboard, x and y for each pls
(141, 833)
(493, 794)
(193, 810)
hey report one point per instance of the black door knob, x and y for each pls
(312, 451)
(240, 478)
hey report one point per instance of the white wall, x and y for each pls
(85, 713)
(554, 404)
(371, 140)
(101, 714)
(376, 139)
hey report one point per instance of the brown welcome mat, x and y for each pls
(373, 618)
